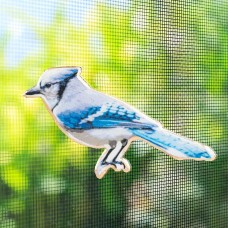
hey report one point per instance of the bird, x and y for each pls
(97, 120)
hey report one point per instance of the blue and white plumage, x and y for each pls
(97, 120)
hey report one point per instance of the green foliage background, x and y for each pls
(166, 58)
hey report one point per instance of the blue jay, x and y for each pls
(97, 120)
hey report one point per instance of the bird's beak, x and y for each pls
(33, 92)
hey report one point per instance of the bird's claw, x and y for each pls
(102, 167)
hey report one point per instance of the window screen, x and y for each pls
(167, 59)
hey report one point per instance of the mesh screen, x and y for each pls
(166, 58)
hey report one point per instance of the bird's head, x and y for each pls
(53, 83)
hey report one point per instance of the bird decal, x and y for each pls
(97, 120)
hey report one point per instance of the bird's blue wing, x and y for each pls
(109, 115)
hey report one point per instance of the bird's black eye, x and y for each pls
(48, 85)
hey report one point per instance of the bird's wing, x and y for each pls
(108, 115)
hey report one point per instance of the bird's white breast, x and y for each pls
(99, 138)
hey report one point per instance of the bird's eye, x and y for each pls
(48, 85)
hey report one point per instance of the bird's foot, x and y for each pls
(102, 167)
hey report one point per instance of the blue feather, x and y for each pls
(113, 116)
(175, 145)
(67, 74)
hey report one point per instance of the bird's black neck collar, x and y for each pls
(62, 87)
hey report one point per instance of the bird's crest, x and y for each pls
(59, 74)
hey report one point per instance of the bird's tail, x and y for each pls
(175, 145)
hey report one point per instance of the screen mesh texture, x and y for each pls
(167, 59)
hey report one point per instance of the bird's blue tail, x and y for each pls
(175, 145)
